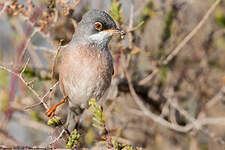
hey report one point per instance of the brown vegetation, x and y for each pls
(168, 91)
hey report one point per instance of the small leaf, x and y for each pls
(97, 126)
(97, 120)
(220, 18)
(163, 73)
(73, 140)
(116, 12)
(35, 116)
(54, 121)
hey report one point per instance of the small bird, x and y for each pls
(85, 66)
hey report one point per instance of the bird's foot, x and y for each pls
(51, 112)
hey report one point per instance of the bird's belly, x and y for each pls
(88, 86)
(88, 79)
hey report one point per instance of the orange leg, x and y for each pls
(50, 112)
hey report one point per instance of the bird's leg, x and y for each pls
(50, 112)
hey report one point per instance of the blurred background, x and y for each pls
(154, 102)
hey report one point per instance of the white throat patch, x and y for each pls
(100, 37)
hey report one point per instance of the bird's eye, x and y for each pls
(98, 26)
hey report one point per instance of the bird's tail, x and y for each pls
(73, 118)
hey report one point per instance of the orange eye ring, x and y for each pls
(98, 26)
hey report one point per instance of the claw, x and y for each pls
(51, 112)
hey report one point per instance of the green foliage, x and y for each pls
(58, 56)
(54, 121)
(51, 3)
(99, 116)
(4, 79)
(4, 100)
(73, 140)
(168, 25)
(31, 73)
(146, 14)
(125, 147)
(34, 115)
(220, 19)
(119, 146)
(100, 123)
(90, 136)
(167, 30)
(163, 73)
(220, 43)
(116, 12)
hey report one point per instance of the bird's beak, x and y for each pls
(116, 31)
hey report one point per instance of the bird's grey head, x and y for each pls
(96, 27)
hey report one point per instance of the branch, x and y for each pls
(27, 84)
(59, 137)
(28, 42)
(216, 98)
(43, 98)
(164, 122)
(148, 113)
(44, 49)
(182, 44)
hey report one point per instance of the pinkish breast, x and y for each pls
(85, 73)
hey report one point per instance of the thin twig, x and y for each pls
(24, 68)
(131, 23)
(216, 98)
(182, 44)
(43, 98)
(178, 128)
(194, 121)
(50, 90)
(44, 49)
(59, 137)
(164, 122)
(136, 27)
(148, 113)
(46, 36)
(26, 83)
(173, 103)
(28, 42)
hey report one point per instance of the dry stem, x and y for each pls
(182, 44)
